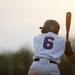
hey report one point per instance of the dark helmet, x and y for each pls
(50, 26)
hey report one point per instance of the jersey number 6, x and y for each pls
(48, 44)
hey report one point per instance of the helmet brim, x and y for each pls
(40, 27)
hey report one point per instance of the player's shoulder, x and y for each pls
(55, 35)
(38, 36)
(61, 38)
(42, 35)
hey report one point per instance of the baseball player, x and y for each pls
(69, 53)
(49, 48)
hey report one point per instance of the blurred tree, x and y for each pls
(22, 61)
(16, 63)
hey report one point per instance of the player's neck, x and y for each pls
(51, 32)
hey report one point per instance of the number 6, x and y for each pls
(48, 44)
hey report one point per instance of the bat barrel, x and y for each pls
(68, 22)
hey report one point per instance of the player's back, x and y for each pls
(50, 46)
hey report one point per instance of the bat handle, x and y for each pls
(67, 35)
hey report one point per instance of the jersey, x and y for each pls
(49, 46)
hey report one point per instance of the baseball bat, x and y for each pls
(68, 23)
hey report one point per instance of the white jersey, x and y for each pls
(49, 46)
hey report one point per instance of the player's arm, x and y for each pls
(69, 53)
(72, 58)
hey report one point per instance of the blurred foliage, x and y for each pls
(18, 63)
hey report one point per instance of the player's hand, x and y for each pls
(68, 45)
(68, 49)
